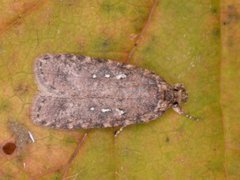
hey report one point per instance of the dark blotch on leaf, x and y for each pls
(9, 148)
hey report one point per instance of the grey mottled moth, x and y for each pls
(84, 92)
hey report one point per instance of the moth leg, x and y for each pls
(116, 133)
(179, 110)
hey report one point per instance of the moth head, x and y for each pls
(180, 93)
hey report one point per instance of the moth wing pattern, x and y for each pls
(63, 112)
(53, 72)
(83, 92)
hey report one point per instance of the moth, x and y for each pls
(77, 91)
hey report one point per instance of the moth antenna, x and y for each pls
(179, 110)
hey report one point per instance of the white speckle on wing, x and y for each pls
(120, 112)
(121, 76)
(92, 108)
(105, 110)
(94, 76)
(107, 75)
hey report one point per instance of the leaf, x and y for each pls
(193, 42)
